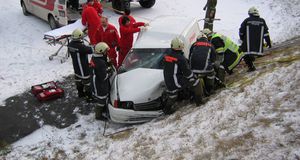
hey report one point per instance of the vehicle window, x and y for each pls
(144, 58)
(62, 1)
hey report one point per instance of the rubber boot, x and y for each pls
(199, 92)
(168, 106)
(98, 112)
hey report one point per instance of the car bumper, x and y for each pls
(128, 116)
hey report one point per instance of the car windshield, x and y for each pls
(143, 58)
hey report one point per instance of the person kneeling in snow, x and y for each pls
(229, 54)
(79, 53)
(177, 75)
(202, 58)
(101, 71)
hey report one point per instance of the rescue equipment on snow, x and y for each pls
(47, 91)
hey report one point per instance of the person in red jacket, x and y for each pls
(90, 19)
(108, 33)
(127, 13)
(97, 5)
(126, 31)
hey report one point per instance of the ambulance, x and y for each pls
(56, 12)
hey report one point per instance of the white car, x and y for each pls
(136, 93)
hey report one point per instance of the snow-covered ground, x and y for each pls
(24, 55)
(258, 121)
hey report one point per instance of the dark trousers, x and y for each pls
(83, 87)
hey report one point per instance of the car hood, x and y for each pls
(140, 85)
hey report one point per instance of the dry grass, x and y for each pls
(226, 145)
(265, 122)
(122, 135)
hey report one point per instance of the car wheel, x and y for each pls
(52, 22)
(120, 5)
(24, 9)
(147, 3)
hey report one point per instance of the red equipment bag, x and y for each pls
(47, 91)
(41, 87)
(50, 94)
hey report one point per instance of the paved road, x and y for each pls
(23, 113)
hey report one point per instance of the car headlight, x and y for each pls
(123, 104)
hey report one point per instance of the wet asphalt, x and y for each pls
(23, 113)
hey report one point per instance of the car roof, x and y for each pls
(162, 30)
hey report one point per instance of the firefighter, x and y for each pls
(90, 19)
(126, 31)
(79, 53)
(108, 33)
(228, 54)
(202, 58)
(177, 75)
(101, 72)
(252, 32)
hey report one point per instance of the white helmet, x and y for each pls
(177, 44)
(101, 48)
(206, 31)
(253, 11)
(77, 33)
(201, 35)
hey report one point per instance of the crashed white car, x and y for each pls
(136, 93)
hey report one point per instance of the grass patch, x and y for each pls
(226, 145)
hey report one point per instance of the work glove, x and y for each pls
(217, 64)
(146, 24)
(143, 29)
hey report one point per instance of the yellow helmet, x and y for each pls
(253, 11)
(177, 44)
(101, 48)
(77, 33)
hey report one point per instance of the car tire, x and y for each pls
(120, 5)
(52, 22)
(24, 9)
(147, 3)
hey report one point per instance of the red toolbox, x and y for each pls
(50, 94)
(36, 89)
(47, 91)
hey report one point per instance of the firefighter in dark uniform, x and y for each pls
(79, 53)
(177, 75)
(252, 32)
(100, 71)
(229, 54)
(202, 58)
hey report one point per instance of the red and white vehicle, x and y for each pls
(56, 12)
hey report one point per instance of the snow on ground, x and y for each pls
(259, 121)
(24, 55)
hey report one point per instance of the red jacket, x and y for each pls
(110, 36)
(127, 32)
(132, 20)
(90, 17)
(97, 5)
